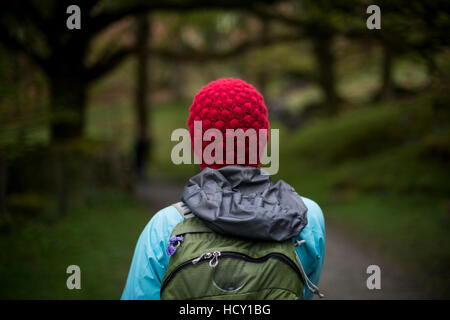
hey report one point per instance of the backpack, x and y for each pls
(206, 265)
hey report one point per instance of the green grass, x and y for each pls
(381, 173)
(99, 236)
(412, 230)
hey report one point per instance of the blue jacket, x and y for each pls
(150, 260)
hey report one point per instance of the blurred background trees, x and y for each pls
(363, 113)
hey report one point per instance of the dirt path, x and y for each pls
(344, 273)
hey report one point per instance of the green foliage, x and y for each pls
(436, 147)
(380, 172)
(27, 203)
(167, 118)
(99, 236)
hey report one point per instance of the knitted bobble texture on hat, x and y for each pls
(229, 104)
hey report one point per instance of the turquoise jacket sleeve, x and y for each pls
(150, 260)
(311, 254)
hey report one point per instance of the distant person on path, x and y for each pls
(235, 234)
(141, 149)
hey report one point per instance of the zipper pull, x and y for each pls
(214, 256)
(205, 255)
(174, 243)
(215, 260)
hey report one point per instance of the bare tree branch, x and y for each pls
(201, 56)
(99, 22)
(271, 14)
(35, 16)
(21, 18)
(107, 63)
(12, 43)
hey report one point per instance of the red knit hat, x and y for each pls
(229, 104)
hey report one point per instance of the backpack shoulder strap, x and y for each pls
(183, 209)
(190, 223)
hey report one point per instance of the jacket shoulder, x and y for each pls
(314, 214)
(163, 222)
(168, 215)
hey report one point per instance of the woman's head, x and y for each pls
(225, 105)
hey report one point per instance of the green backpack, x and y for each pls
(208, 265)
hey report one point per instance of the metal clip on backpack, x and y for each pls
(207, 265)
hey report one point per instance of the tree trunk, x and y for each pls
(142, 144)
(387, 84)
(61, 177)
(67, 107)
(262, 77)
(326, 74)
(3, 181)
(68, 88)
(180, 80)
